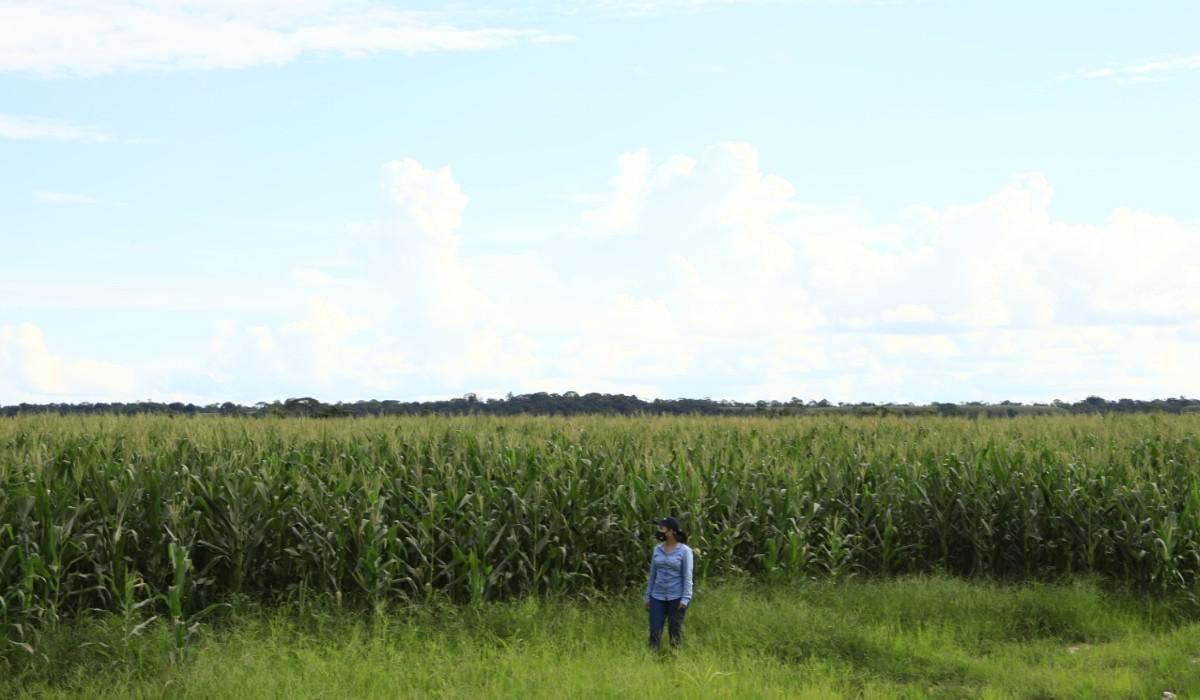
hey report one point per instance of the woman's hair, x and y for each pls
(681, 536)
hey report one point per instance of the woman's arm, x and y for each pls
(650, 582)
(687, 577)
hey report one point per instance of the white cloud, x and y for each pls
(490, 356)
(622, 210)
(1156, 69)
(908, 310)
(431, 198)
(725, 186)
(752, 205)
(411, 317)
(628, 339)
(1138, 265)
(736, 286)
(29, 368)
(909, 313)
(328, 328)
(720, 306)
(264, 339)
(635, 180)
(223, 332)
(732, 287)
(463, 335)
(909, 345)
(651, 7)
(24, 128)
(428, 206)
(312, 278)
(97, 37)
(6, 337)
(64, 198)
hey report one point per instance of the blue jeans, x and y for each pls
(666, 611)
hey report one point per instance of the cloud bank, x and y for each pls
(702, 275)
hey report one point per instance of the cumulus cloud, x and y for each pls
(751, 206)
(731, 286)
(1003, 262)
(462, 334)
(328, 328)
(621, 211)
(909, 345)
(311, 277)
(772, 296)
(428, 208)
(264, 339)
(629, 339)
(95, 37)
(28, 368)
(489, 359)
(734, 286)
(406, 316)
(635, 180)
(223, 332)
(909, 313)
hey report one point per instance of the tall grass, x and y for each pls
(173, 516)
(900, 637)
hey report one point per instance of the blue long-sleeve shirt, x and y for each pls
(670, 574)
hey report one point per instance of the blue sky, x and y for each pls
(908, 201)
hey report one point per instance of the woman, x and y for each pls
(669, 590)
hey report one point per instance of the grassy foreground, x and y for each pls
(908, 637)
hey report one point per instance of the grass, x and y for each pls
(908, 637)
(479, 557)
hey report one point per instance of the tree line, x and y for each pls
(572, 403)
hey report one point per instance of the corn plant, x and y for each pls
(157, 518)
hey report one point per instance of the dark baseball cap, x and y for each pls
(668, 522)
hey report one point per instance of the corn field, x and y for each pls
(177, 515)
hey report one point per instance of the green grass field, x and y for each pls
(912, 637)
(162, 557)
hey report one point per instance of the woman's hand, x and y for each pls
(647, 605)
(682, 606)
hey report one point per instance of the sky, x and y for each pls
(905, 200)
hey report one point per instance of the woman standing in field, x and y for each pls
(669, 590)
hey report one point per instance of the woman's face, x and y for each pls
(664, 532)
